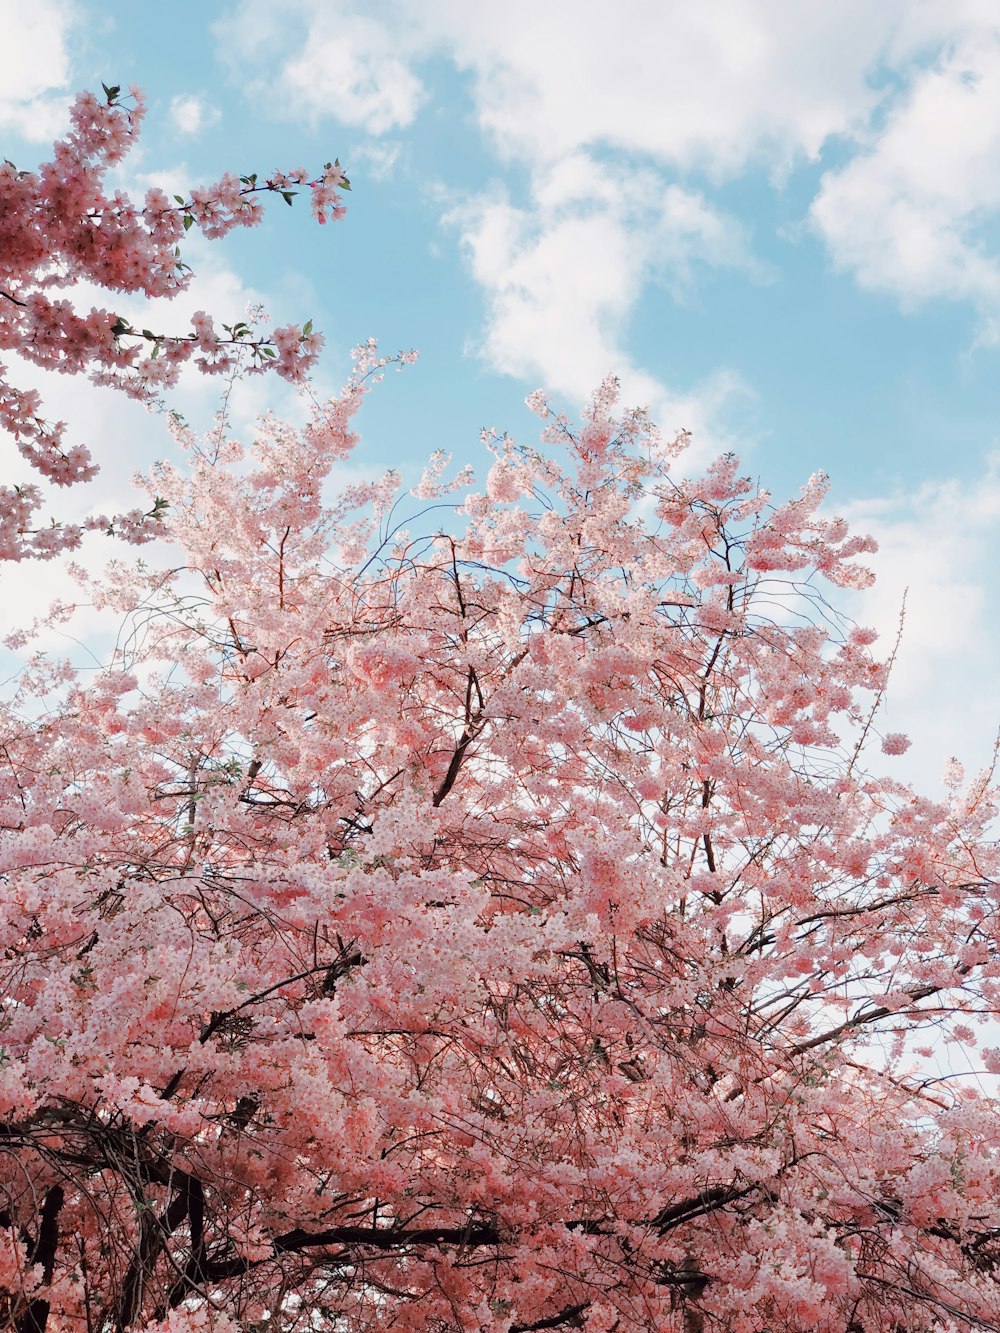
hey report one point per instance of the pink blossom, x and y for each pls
(894, 742)
(49, 240)
(492, 908)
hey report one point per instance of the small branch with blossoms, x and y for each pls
(59, 226)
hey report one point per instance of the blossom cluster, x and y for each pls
(498, 922)
(60, 225)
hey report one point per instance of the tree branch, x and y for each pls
(43, 1252)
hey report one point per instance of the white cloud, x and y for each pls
(713, 87)
(36, 66)
(939, 545)
(910, 214)
(381, 157)
(681, 99)
(710, 87)
(347, 66)
(911, 88)
(558, 87)
(561, 278)
(191, 114)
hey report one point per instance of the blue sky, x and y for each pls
(777, 223)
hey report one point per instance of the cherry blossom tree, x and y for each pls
(60, 226)
(476, 910)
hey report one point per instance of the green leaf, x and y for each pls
(188, 221)
(288, 196)
(307, 327)
(179, 198)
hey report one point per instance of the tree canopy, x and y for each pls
(474, 908)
